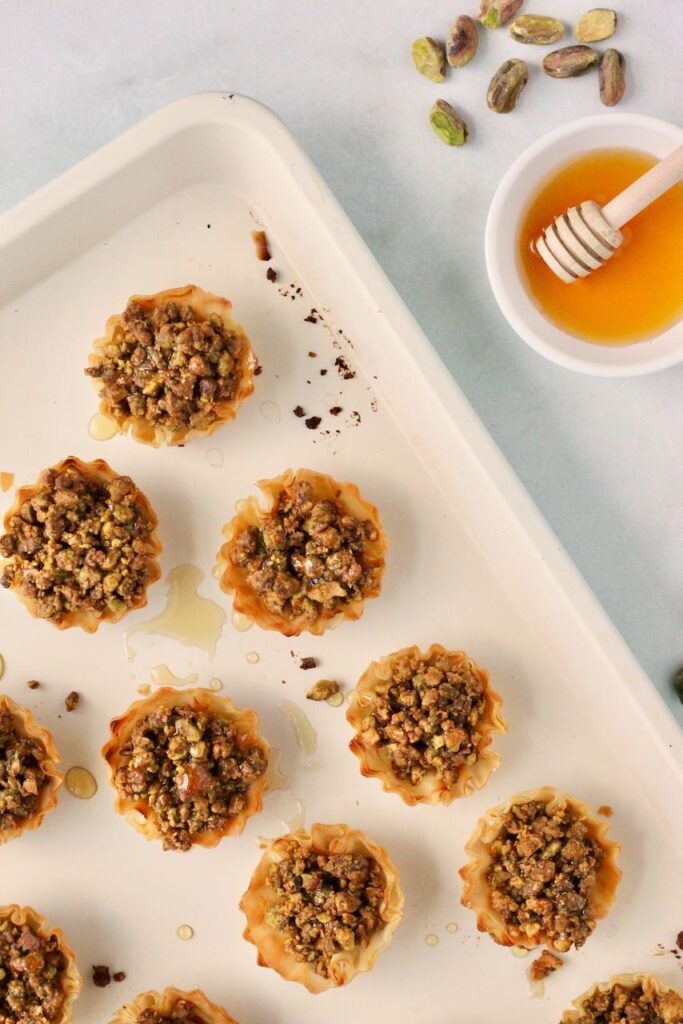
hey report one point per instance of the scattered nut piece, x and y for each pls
(536, 29)
(570, 61)
(506, 86)
(462, 42)
(71, 701)
(678, 684)
(261, 243)
(100, 975)
(323, 689)
(306, 663)
(611, 76)
(119, 976)
(544, 965)
(600, 23)
(299, 411)
(448, 125)
(271, 275)
(494, 13)
(430, 59)
(33, 684)
(679, 940)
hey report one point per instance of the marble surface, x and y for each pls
(603, 459)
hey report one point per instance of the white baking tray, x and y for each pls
(471, 565)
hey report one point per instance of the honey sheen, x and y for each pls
(638, 293)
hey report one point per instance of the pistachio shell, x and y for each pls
(599, 23)
(506, 86)
(430, 59)
(447, 124)
(462, 42)
(570, 61)
(611, 76)
(536, 29)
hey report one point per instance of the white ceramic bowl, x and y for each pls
(634, 131)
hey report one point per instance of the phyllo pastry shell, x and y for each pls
(29, 778)
(321, 906)
(188, 767)
(308, 559)
(424, 724)
(81, 545)
(542, 871)
(173, 365)
(40, 979)
(627, 998)
(172, 1006)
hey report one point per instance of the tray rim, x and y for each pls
(228, 108)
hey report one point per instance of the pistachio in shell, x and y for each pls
(570, 61)
(429, 58)
(536, 29)
(448, 124)
(506, 86)
(611, 76)
(494, 13)
(462, 42)
(595, 25)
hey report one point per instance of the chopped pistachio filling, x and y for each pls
(307, 557)
(543, 873)
(21, 777)
(32, 971)
(190, 769)
(170, 366)
(78, 544)
(183, 1012)
(326, 904)
(622, 1005)
(427, 717)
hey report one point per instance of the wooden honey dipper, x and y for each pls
(587, 235)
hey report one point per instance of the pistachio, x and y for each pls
(462, 42)
(611, 76)
(537, 29)
(506, 85)
(323, 689)
(600, 23)
(494, 13)
(570, 61)
(430, 59)
(448, 125)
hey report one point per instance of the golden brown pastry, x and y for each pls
(322, 906)
(29, 778)
(627, 999)
(172, 1006)
(424, 724)
(172, 365)
(542, 871)
(188, 767)
(306, 561)
(81, 545)
(40, 979)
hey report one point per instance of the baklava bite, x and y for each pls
(173, 365)
(424, 724)
(172, 1006)
(322, 906)
(38, 975)
(29, 778)
(80, 545)
(306, 561)
(188, 768)
(627, 999)
(542, 871)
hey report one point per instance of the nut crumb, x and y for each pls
(261, 244)
(606, 811)
(306, 663)
(258, 370)
(679, 940)
(271, 275)
(335, 410)
(544, 965)
(33, 684)
(299, 411)
(345, 371)
(119, 976)
(71, 701)
(323, 689)
(323, 372)
(313, 422)
(100, 975)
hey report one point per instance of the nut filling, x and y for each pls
(328, 903)
(21, 776)
(426, 717)
(307, 557)
(78, 543)
(184, 1012)
(543, 873)
(32, 970)
(189, 768)
(623, 1005)
(170, 367)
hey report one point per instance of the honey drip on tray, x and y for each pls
(303, 730)
(6, 481)
(276, 779)
(162, 676)
(80, 783)
(101, 427)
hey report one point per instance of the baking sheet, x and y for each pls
(470, 565)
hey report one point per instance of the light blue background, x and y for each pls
(603, 459)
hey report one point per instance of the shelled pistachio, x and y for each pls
(494, 13)
(611, 76)
(570, 61)
(448, 124)
(506, 86)
(462, 42)
(429, 58)
(536, 29)
(595, 25)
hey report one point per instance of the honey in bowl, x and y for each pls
(638, 293)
